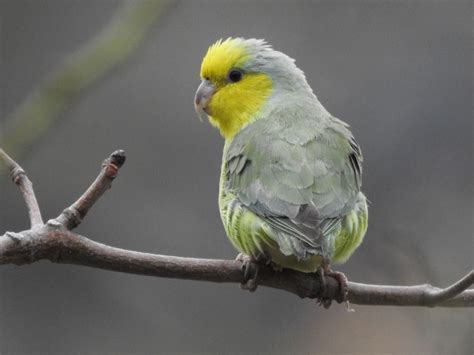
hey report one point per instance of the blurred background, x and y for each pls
(80, 79)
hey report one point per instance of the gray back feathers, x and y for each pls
(295, 166)
(298, 173)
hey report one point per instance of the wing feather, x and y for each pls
(300, 178)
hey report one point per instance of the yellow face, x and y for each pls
(233, 97)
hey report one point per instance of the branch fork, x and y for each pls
(56, 242)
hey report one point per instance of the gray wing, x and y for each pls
(300, 178)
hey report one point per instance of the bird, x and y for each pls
(290, 182)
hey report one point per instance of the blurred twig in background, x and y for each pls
(89, 63)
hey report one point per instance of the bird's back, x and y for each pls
(290, 188)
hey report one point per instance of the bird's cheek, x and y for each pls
(218, 103)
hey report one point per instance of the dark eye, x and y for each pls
(235, 75)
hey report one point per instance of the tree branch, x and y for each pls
(72, 216)
(55, 242)
(20, 179)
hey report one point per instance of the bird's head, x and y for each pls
(238, 78)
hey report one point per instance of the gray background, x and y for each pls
(398, 72)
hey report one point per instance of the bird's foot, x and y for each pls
(343, 284)
(325, 270)
(322, 300)
(250, 269)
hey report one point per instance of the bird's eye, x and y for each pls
(235, 75)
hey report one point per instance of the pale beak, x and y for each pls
(202, 98)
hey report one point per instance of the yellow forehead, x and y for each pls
(221, 57)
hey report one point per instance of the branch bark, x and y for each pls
(54, 241)
(20, 179)
(72, 216)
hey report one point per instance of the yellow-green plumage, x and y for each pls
(251, 235)
(291, 173)
(352, 232)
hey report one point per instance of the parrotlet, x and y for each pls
(290, 182)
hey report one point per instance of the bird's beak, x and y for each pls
(202, 98)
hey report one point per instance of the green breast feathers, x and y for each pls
(291, 191)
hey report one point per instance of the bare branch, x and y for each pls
(20, 179)
(60, 246)
(438, 296)
(72, 216)
(419, 295)
(54, 241)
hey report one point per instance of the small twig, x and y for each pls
(20, 179)
(72, 216)
(418, 295)
(56, 243)
(439, 296)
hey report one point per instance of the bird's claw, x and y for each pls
(343, 284)
(250, 269)
(324, 271)
(323, 301)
